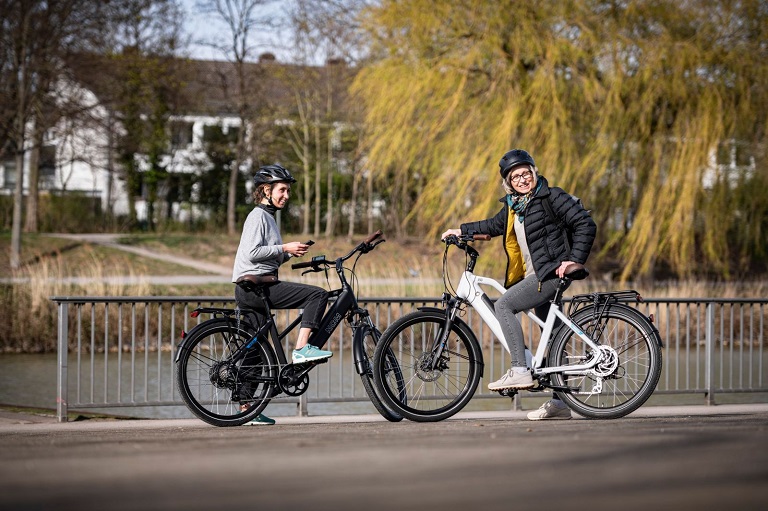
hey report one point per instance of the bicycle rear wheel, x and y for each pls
(218, 389)
(630, 372)
(369, 347)
(433, 389)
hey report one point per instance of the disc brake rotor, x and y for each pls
(609, 362)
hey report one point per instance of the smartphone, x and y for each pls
(310, 242)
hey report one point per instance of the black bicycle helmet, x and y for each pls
(512, 159)
(274, 173)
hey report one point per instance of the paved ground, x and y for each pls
(692, 457)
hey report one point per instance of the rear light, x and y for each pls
(194, 314)
(650, 317)
(639, 298)
(183, 334)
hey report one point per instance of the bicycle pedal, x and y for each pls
(507, 392)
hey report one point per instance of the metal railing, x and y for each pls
(118, 352)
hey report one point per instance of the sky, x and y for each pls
(207, 27)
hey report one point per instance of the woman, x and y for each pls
(538, 254)
(262, 251)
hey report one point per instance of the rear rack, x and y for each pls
(604, 298)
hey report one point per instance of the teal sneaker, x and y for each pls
(261, 420)
(309, 353)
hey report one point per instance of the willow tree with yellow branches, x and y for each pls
(653, 112)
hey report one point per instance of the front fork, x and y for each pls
(361, 324)
(452, 308)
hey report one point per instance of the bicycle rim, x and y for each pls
(369, 347)
(638, 366)
(218, 390)
(433, 391)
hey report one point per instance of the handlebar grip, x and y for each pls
(481, 237)
(298, 266)
(373, 237)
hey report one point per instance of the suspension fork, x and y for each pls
(451, 309)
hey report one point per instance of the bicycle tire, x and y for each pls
(430, 395)
(214, 390)
(633, 380)
(369, 347)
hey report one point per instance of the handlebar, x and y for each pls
(373, 237)
(463, 238)
(319, 263)
(315, 261)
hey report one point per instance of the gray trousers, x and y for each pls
(523, 296)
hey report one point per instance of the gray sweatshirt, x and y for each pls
(261, 246)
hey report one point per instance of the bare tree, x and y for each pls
(35, 40)
(325, 31)
(241, 18)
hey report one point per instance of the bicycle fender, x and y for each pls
(464, 326)
(648, 322)
(358, 348)
(182, 346)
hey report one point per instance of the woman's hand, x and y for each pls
(560, 271)
(296, 248)
(449, 232)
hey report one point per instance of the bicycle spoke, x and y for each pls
(628, 371)
(435, 387)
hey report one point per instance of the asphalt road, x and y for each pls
(662, 458)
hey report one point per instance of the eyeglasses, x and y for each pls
(523, 175)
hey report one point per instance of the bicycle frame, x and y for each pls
(469, 290)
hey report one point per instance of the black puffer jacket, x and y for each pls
(546, 242)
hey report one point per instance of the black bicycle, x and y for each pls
(227, 370)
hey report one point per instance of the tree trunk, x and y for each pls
(107, 205)
(353, 201)
(31, 220)
(18, 194)
(18, 197)
(369, 206)
(329, 193)
(307, 183)
(232, 197)
(317, 177)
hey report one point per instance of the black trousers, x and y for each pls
(289, 295)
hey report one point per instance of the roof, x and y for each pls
(207, 87)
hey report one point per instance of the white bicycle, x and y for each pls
(602, 358)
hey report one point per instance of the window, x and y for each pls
(181, 134)
(9, 174)
(47, 166)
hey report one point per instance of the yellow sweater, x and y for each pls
(516, 267)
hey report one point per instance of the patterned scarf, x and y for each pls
(518, 203)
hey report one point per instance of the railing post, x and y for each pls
(63, 354)
(302, 409)
(709, 363)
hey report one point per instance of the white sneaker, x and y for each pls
(554, 409)
(513, 380)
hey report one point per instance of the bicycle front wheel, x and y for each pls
(630, 367)
(219, 388)
(369, 347)
(430, 387)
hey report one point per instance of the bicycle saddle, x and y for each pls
(576, 271)
(251, 282)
